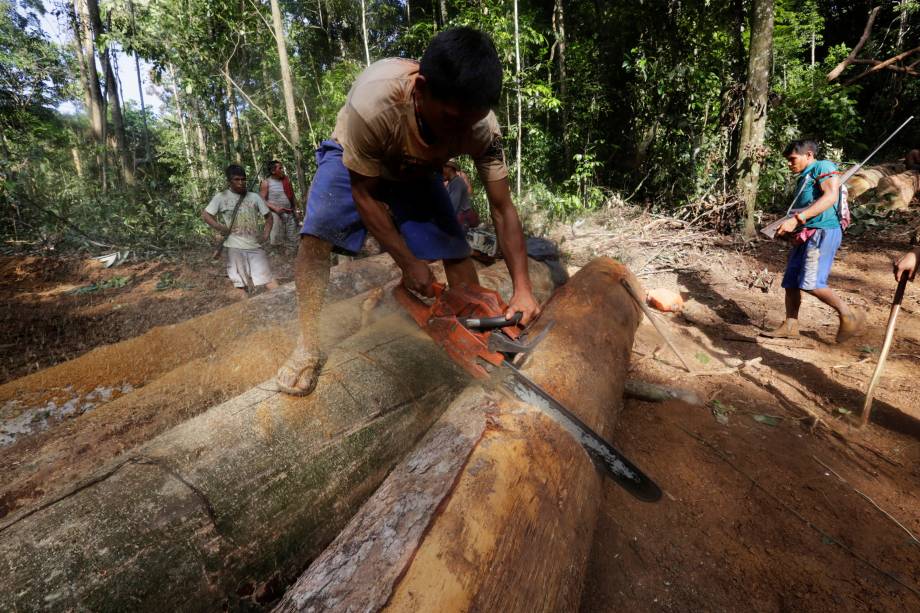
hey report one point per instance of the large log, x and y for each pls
(246, 353)
(229, 504)
(897, 191)
(868, 177)
(495, 509)
(227, 507)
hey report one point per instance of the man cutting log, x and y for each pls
(380, 172)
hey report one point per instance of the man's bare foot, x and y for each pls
(850, 326)
(788, 329)
(299, 374)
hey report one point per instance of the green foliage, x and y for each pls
(648, 102)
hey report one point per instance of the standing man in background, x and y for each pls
(278, 193)
(816, 236)
(238, 214)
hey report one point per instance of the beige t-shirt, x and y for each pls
(250, 219)
(379, 134)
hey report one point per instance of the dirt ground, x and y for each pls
(54, 309)
(764, 510)
(761, 509)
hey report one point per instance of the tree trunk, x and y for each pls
(443, 6)
(896, 191)
(93, 91)
(203, 161)
(754, 118)
(367, 52)
(559, 26)
(517, 80)
(495, 509)
(234, 121)
(252, 148)
(250, 490)
(290, 109)
(903, 18)
(114, 100)
(868, 177)
(186, 143)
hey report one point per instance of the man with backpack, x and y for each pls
(815, 231)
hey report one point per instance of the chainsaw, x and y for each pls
(468, 322)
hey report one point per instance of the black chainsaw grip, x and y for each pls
(491, 323)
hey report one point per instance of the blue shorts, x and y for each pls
(421, 211)
(810, 263)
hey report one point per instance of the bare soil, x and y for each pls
(765, 508)
(754, 516)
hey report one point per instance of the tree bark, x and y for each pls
(290, 108)
(367, 52)
(495, 509)
(517, 80)
(559, 27)
(234, 121)
(896, 191)
(224, 508)
(754, 117)
(114, 100)
(868, 177)
(186, 143)
(93, 91)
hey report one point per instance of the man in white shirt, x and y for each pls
(239, 216)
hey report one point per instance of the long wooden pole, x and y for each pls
(886, 346)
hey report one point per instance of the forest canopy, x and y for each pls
(680, 106)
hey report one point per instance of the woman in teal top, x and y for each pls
(810, 260)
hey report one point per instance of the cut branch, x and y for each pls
(882, 65)
(839, 68)
(257, 107)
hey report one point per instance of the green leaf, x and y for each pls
(769, 420)
(843, 411)
(702, 357)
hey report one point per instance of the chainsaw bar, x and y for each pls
(605, 456)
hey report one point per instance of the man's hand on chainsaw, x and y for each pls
(418, 278)
(524, 301)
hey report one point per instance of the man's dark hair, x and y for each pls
(234, 170)
(801, 147)
(270, 166)
(461, 65)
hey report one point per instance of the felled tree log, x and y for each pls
(227, 507)
(36, 468)
(237, 500)
(496, 508)
(868, 177)
(897, 191)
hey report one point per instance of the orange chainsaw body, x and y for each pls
(441, 320)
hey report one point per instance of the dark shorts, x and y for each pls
(809, 264)
(421, 211)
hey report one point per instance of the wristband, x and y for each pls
(799, 218)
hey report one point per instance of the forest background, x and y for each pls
(682, 107)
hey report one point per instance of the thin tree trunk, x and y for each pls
(202, 146)
(95, 106)
(185, 139)
(111, 88)
(252, 147)
(517, 78)
(234, 121)
(443, 5)
(902, 23)
(140, 91)
(559, 23)
(754, 118)
(77, 163)
(288, 85)
(367, 53)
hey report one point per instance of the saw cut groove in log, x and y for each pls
(495, 509)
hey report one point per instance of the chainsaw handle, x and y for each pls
(491, 323)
